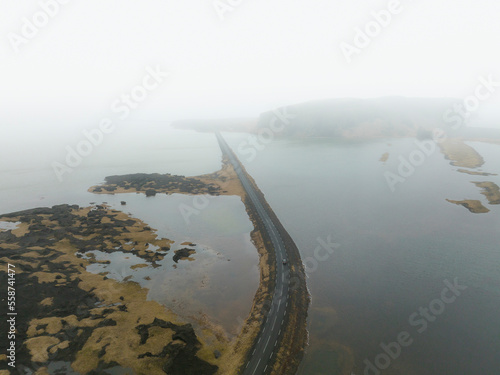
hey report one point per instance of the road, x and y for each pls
(267, 344)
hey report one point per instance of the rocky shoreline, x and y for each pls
(155, 183)
(88, 320)
(226, 182)
(85, 319)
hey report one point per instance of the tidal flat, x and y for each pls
(87, 319)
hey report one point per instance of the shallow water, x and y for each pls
(6, 225)
(396, 249)
(224, 257)
(221, 280)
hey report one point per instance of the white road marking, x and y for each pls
(267, 343)
(256, 367)
(279, 245)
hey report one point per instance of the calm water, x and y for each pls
(395, 251)
(223, 278)
(27, 179)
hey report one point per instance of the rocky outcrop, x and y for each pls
(182, 254)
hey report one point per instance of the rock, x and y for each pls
(182, 254)
(123, 203)
(186, 333)
(107, 323)
(217, 354)
(150, 193)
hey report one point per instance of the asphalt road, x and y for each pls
(267, 344)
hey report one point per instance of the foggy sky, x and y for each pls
(263, 54)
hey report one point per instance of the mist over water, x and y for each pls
(353, 69)
(28, 177)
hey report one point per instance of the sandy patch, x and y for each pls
(460, 154)
(490, 190)
(473, 206)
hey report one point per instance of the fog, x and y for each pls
(336, 98)
(239, 60)
(66, 66)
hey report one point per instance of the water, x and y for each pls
(222, 279)
(219, 284)
(5, 225)
(396, 249)
(27, 178)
